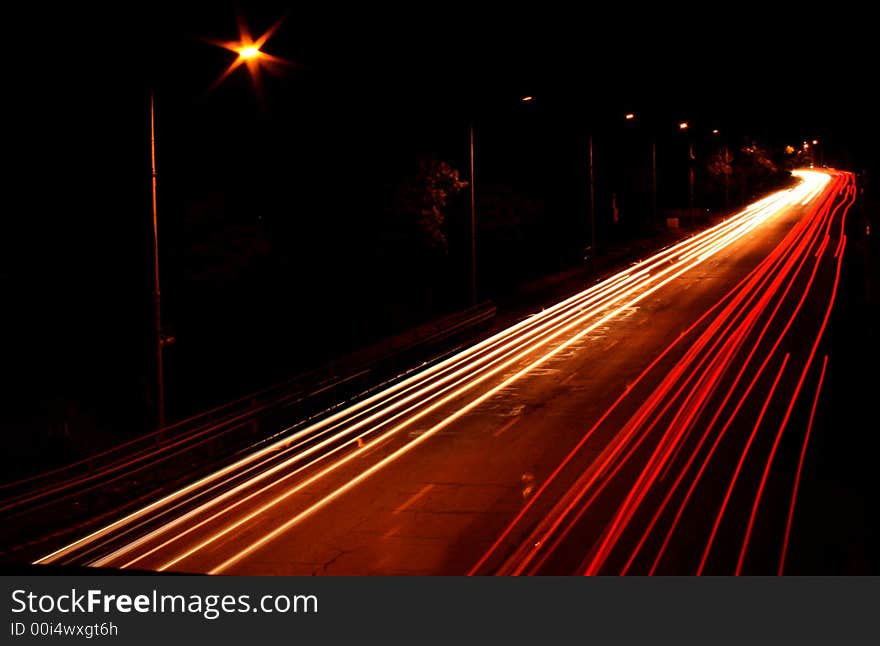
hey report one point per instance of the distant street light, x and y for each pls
(629, 116)
(683, 125)
(526, 99)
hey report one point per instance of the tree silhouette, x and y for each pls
(424, 197)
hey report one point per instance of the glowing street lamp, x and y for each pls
(249, 54)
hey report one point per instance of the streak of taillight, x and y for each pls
(739, 465)
(788, 412)
(574, 451)
(800, 467)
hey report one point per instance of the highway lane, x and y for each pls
(423, 476)
(703, 477)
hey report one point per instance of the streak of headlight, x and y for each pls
(482, 561)
(425, 435)
(722, 234)
(299, 456)
(728, 231)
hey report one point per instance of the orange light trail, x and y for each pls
(451, 388)
(769, 283)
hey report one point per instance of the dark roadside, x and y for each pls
(836, 530)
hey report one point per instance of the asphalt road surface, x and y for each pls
(656, 422)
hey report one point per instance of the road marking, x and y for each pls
(505, 427)
(422, 431)
(515, 411)
(543, 372)
(567, 379)
(421, 492)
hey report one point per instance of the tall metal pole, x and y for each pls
(654, 179)
(726, 178)
(473, 223)
(592, 206)
(691, 176)
(157, 309)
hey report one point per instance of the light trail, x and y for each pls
(714, 245)
(478, 373)
(791, 405)
(722, 406)
(766, 276)
(767, 289)
(619, 443)
(738, 469)
(800, 467)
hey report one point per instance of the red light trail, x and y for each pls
(614, 504)
(678, 418)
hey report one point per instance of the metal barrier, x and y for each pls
(134, 471)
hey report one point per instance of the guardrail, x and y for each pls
(134, 471)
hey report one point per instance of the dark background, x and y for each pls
(279, 245)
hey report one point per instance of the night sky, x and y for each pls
(305, 167)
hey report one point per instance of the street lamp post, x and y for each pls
(691, 176)
(726, 178)
(157, 298)
(654, 180)
(249, 54)
(473, 221)
(683, 126)
(592, 205)
(725, 160)
(473, 196)
(629, 116)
